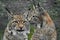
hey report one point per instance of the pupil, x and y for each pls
(16, 21)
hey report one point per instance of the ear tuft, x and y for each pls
(9, 13)
(7, 9)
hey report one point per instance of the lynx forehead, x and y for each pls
(20, 17)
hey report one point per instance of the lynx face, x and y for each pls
(18, 23)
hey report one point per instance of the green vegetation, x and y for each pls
(31, 32)
(1, 34)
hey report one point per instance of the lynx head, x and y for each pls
(17, 22)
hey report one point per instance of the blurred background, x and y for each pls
(20, 6)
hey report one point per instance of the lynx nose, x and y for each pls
(21, 25)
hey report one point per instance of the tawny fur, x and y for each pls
(47, 31)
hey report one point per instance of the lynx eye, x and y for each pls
(24, 21)
(16, 21)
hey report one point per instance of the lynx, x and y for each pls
(46, 30)
(17, 28)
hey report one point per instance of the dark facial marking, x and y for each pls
(16, 21)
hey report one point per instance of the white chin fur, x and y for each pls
(38, 25)
(9, 31)
(14, 33)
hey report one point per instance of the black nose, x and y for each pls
(21, 28)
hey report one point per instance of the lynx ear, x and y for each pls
(9, 13)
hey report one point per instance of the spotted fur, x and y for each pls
(47, 31)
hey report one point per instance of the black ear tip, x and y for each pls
(38, 4)
(7, 9)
